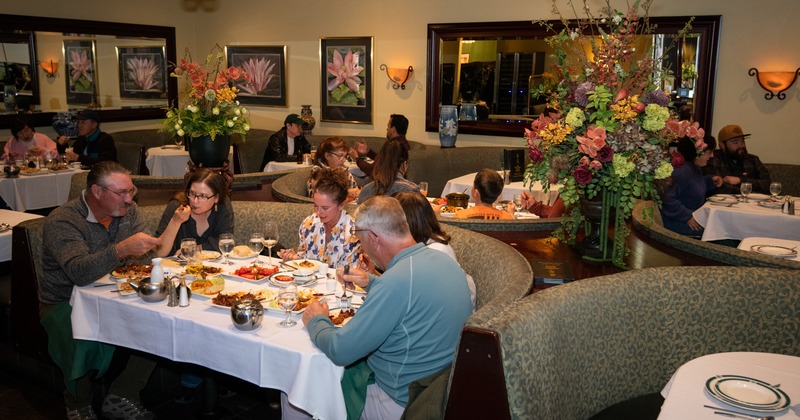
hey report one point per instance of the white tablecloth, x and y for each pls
(170, 161)
(685, 392)
(43, 190)
(284, 166)
(465, 182)
(270, 356)
(745, 219)
(756, 240)
(12, 218)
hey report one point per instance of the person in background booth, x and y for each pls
(332, 153)
(25, 139)
(539, 208)
(287, 143)
(389, 174)
(396, 130)
(735, 165)
(92, 144)
(488, 185)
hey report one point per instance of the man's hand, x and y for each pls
(136, 245)
(361, 147)
(315, 307)
(353, 153)
(358, 276)
(693, 225)
(527, 199)
(63, 140)
(732, 180)
(717, 180)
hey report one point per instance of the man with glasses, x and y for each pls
(287, 143)
(83, 240)
(734, 165)
(409, 324)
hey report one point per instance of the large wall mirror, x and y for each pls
(495, 64)
(118, 68)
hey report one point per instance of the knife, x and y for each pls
(728, 412)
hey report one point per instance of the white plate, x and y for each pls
(725, 200)
(245, 279)
(208, 255)
(39, 172)
(296, 263)
(305, 281)
(125, 289)
(236, 257)
(774, 250)
(357, 290)
(335, 312)
(747, 393)
(770, 204)
(757, 197)
(263, 295)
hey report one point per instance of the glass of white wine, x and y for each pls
(270, 237)
(287, 299)
(423, 188)
(226, 244)
(775, 189)
(256, 244)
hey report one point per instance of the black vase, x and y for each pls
(209, 153)
(596, 245)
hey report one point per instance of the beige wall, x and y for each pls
(752, 36)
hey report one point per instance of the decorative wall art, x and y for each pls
(266, 66)
(346, 85)
(142, 72)
(81, 71)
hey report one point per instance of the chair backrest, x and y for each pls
(130, 156)
(77, 184)
(28, 335)
(292, 187)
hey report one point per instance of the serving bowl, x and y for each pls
(246, 314)
(457, 199)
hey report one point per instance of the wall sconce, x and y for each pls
(775, 82)
(399, 77)
(50, 67)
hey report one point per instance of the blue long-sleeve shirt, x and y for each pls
(686, 194)
(409, 324)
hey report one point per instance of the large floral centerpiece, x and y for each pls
(605, 136)
(210, 107)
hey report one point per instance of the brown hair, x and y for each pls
(212, 178)
(328, 145)
(489, 185)
(387, 164)
(333, 182)
(421, 219)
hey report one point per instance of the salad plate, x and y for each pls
(724, 200)
(770, 203)
(775, 250)
(747, 393)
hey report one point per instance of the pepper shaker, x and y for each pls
(172, 299)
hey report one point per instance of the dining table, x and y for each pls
(170, 160)
(203, 334)
(38, 190)
(778, 248)
(725, 217)
(285, 166)
(464, 183)
(9, 219)
(738, 377)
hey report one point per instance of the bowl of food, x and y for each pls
(303, 272)
(246, 314)
(457, 199)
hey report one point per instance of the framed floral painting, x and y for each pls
(142, 72)
(266, 67)
(346, 85)
(81, 71)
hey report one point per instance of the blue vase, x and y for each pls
(448, 125)
(65, 124)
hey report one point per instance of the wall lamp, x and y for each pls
(50, 67)
(399, 77)
(775, 82)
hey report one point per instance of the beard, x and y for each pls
(121, 210)
(741, 153)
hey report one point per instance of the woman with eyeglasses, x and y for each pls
(203, 212)
(25, 139)
(332, 153)
(326, 234)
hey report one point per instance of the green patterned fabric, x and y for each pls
(572, 350)
(520, 225)
(293, 187)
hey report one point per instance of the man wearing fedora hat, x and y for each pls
(92, 145)
(288, 142)
(734, 165)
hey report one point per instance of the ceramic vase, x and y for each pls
(209, 153)
(448, 125)
(307, 116)
(10, 97)
(65, 124)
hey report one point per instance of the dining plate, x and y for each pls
(770, 203)
(774, 250)
(747, 393)
(757, 197)
(201, 288)
(34, 172)
(246, 273)
(304, 263)
(125, 289)
(340, 321)
(262, 295)
(356, 289)
(284, 278)
(273, 305)
(207, 255)
(127, 270)
(4, 227)
(725, 200)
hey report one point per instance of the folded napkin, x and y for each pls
(525, 215)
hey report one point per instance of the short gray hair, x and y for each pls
(102, 170)
(383, 215)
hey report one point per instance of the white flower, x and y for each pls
(573, 34)
(244, 110)
(247, 127)
(180, 121)
(237, 111)
(179, 132)
(230, 123)
(617, 19)
(215, 110)
(449, 127)
(235, 118)
(633, 49)
(603, 21)
(177, 126)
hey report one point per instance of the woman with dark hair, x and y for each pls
(425, 228)
(332, 153)
(203, 212)
(326, 234)
(25, 139)
(388, 176)
(689, 186)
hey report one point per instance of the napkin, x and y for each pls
(525, 215)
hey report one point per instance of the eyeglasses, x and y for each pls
(340, 155)
(122, 194)
(199, 197)
(353, 230)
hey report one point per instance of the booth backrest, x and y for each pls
(787, 175)
(292, 187)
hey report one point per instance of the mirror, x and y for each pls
(495, 64)
(99, 65)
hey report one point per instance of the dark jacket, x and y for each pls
(219, 221)
(278, 148)
(101, 147)
(368, 165)
(749, 169)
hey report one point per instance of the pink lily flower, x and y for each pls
(346, 70)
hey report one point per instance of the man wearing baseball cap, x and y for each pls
(734, 165)
(288, 142)
(92, 145)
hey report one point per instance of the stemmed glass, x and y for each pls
(179, 141)
(256, 245)
(270, 237)
(423, 188)
(775, 189)
(287, 298)
(226, 244)
(518, 203)
(746, 188)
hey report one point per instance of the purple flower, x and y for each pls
(655, 97)
(581, 93)
(582, 175)
(535, 154)
(606, 154)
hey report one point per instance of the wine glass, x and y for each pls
(518, 203)
(423, 188)
(226, 244)
(745, 188)
(188, 249)
(775, 189)
(287, 299)
(270, 237)
(179, 141)
(256, 245)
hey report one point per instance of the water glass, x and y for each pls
(745, 188)
(226, 244)
(256, 244)
(188, 249)
(518, 203)
(423, 188)
(775, 189)
(287, 299)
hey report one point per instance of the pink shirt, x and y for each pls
(18, 148)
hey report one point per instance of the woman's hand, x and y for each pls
(288, 254)
(182, 214)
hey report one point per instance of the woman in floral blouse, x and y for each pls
(325, 235)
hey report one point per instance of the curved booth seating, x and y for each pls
(647, 219)
(521, 225)
(571, 351)
(292, 187)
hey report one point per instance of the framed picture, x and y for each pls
(267, 67)
(142, 72)
(463, 58)
(81, 77)
(346, 85)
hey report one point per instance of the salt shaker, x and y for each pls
(788, 205)
(183, 291)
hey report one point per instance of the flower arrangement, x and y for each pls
(606, 135)
(212, 108)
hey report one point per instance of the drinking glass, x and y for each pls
(226, 244)
(270, 237)
(188, 249)
(775, 189)
(287, 299)
(745, 188)
(179, 141)
(518, 203)
(256, 245)
(423, 188)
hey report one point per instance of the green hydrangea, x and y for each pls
(576, 117)
(655, 117)
(622, 167)
(664, 170)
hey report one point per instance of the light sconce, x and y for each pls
(775, 82)
(399, 77)
(50, 67)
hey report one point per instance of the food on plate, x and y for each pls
(438, 201)
(255, 272)
(301, 304)
(283, 278)
(208, 286)
(450, 209)
(228, 299)
(306, 264)
(356, 288)
(27, 170)
(339, 318)
(242, 251)
(305, 295)
(207, 255)
(125, 288)
(169, 262)
(59, 168)
(133, 270)
(202, 271)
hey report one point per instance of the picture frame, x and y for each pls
(81, 61)
(346, 65)
(463, 58)
(267, 66)
(142, 72)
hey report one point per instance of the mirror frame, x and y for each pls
(707, 26)
(30, 24)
